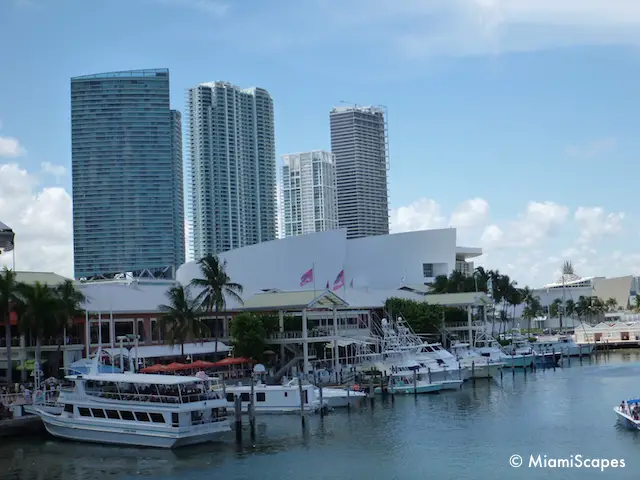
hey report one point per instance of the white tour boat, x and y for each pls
(479, 366)
(137, 409)
(629, 414)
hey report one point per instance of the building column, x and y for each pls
(281, 329)
(335, 340)
(87, 333)
(22, 358)
(305, 342)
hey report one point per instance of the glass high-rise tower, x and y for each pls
(127, 175)
(359, 143)
(232, 167)
(309, 199)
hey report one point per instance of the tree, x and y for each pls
(215, 285)
(569, 308)
(8, 296)
(611, 304)
(39, 311)
(180, 320)
(70, 302)
(421, 316)
(248, 336)
(532, 309)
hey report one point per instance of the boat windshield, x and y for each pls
(158, 393)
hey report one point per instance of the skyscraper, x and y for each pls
(359, 143)
(232, 167)
(310, 202)
(126, 175)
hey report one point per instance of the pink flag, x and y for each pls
(307, 277)
(339, 281)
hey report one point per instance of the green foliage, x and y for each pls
(179, 320)
(248, 334)
(421, 317)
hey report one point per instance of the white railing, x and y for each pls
(153, 398)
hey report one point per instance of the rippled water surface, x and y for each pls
(467, 434)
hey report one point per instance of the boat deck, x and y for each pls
(626, 416)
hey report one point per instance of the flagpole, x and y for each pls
(344, 285)
(313, 276)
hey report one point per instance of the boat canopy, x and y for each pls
(637, 400)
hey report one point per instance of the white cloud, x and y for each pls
(470, 213)
(594, 223)
(54, 170)
(10, 147)
(41, 219)
(540, 220)
(594, 149)
(422, 214)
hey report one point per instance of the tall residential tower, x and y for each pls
(232, 168)
(359, 143)
(126, 175)
(310, 202)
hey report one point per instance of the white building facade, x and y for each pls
(381, 263)
(231, 168)
(359, 143)
(309, 194)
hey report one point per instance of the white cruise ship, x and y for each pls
(137, 409)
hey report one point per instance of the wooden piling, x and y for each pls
(524, 363)
(301, 394)
(251, 409)
(553, 352)
(371, 391)
(237, 410)
(415, 383)
(321, 402)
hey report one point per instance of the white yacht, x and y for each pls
(444, 359)
(137, 409)
(512, 356)
(561, 344)
(480, 366)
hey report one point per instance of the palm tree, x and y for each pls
(569, 308)
(180, 321)
(440, 284)
(611, 304)
(532, 309)
(8, 297)
(39, 310)
(70, 302)
(554, 308)
(215, 285)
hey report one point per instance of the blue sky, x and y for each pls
(515, 121)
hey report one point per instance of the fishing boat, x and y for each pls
(628, 414)
(478, 365)
(406, 382)
(335, 397)
(561, 344)
(135, 409)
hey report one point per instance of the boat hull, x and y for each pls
(420, 389)
(518, 361)
(70, 429)
(339, 399)
(451, 384)
(548, 359)
(486, 370)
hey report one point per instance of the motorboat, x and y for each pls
(335, 397)
(165, 411)
(479, 366)
(629, 414)
(412, 382)
(563, 344)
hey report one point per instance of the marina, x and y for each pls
(480, 425)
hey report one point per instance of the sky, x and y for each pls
(514, 121)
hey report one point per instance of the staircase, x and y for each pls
(297, 360)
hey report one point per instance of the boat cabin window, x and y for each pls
(175, 420)
(84, 412)
(230, 397)
(68, 408)
(286, 394)
(306, 396)
(261, 397)
(113, 414)
(126, 415)
(98, 413)
(157, 417)
(486, 354)
(244, 397)
(141, 416)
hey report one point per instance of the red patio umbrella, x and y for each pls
(233, 361)
(200, 364)
(175, 366)
(157, 368)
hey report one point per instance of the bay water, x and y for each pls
(477, 432)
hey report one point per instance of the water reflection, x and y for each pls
(568, 411)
